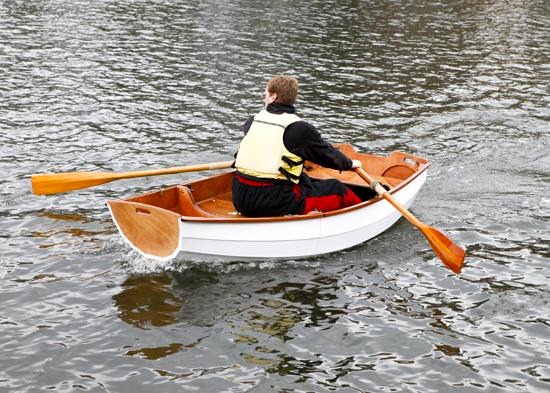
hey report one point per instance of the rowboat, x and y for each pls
(197, 218)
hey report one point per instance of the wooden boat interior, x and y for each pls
(211, 197)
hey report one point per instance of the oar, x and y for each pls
(450, 253)
(53, 183)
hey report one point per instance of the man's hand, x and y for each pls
(355, 164)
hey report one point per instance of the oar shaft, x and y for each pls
(383, 193)
(171, 171)
(54, 183)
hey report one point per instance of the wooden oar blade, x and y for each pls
(55, 183)
(450, 253)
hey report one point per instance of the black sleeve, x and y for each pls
(303, 139)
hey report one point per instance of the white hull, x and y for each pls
(293, 239)
(198, 218)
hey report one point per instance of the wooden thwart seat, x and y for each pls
(220, 208)
(208, 208)
(187, 204)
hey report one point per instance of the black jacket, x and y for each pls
(280, 197)
(303, 139)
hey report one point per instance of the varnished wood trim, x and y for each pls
(243, 219)
(212, 195)
(152, 230)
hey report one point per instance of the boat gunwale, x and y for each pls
(314, 215)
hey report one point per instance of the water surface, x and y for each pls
(128, 85)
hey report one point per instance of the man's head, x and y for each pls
(281, 89)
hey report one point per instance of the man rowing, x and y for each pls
(269, 180)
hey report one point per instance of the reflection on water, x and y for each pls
(160, 352)
(148, 301)
(59, 229)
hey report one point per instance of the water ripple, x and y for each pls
(128, 85)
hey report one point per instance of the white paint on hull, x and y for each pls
(298, 238)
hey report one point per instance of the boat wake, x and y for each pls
(135, 263)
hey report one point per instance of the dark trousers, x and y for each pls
(260, 198)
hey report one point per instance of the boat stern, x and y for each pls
(150, 230)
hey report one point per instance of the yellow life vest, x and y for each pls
(262, 152)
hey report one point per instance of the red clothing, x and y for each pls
(257, 197)
(326, 195)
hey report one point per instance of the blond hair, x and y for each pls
(286, 88)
